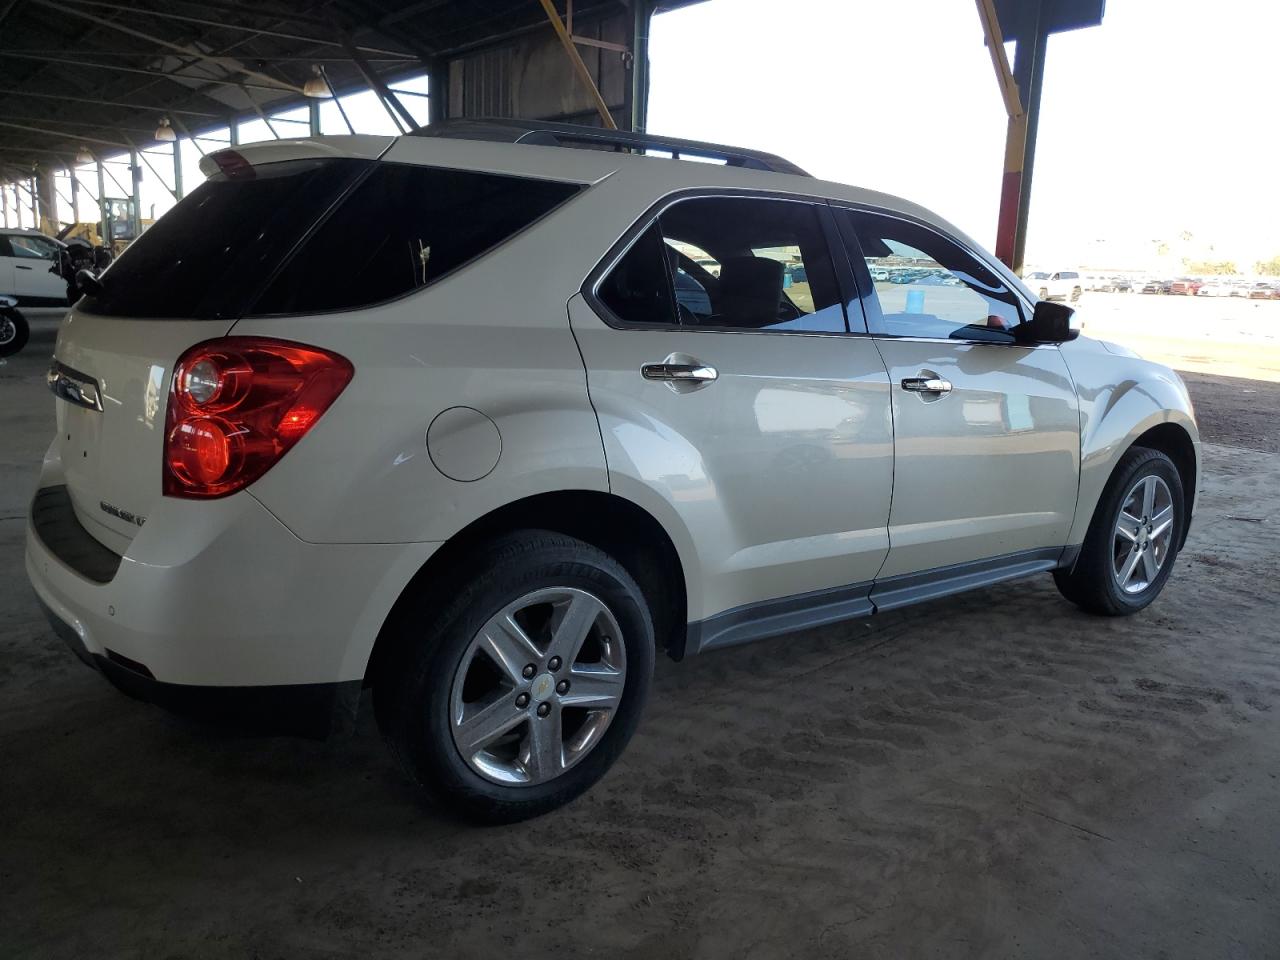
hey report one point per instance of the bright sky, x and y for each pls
(1162, 120)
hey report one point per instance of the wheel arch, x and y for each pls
(619, 527)
(1173, 440)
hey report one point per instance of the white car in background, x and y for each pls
(29, 268)
(497, 462)
(1065, 285)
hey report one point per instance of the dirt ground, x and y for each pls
(997, 775)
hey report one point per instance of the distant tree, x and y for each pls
(1216, 268)
(1268, 268)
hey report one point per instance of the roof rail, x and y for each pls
(549, 134)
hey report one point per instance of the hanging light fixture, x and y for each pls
(84, 156)
(164, 132)
(316, 87)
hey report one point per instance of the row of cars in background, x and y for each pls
(1067, 285)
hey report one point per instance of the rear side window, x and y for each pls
(317, 235)
(402, 228)
(737, 263)
(209, 255)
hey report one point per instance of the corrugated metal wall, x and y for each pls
(531, 77)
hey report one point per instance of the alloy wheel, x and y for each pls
(1143, 534)
(8, 331)
(538, 686)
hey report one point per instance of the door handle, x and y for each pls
(683, 372)
(933, 385)
(20, 267)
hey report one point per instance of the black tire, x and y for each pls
(1090, 584)
(413, 689)
(13, 332)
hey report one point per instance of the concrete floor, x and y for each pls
(996, 775)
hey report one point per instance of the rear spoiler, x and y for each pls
(241, 159)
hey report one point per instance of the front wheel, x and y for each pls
(13, 332)
(524, 689)
(1133, 538)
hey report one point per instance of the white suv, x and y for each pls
(468, 422)
(1059, 285)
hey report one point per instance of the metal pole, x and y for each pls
(135, 173)
(313, 116)
(1028, 71)
(35, 207)
(177, 171)
(102, 203)
(75, 194)
(233, 130)
(640, 64)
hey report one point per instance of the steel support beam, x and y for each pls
(641, 20)
(381, 90)
(102, 202)
(579, 65)
(157, 74)
(1028, 70)
(230, 64)
(109, 103)
(229, 24)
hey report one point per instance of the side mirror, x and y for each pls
(1050, 323)
(87, 282)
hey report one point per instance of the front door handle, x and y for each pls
(682, 372)
(931, 385)
(21, 267)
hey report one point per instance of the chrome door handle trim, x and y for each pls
(695, 372)
(74, 387)
(926, 385)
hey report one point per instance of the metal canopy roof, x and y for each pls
(101, 73)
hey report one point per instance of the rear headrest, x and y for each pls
(750, 291)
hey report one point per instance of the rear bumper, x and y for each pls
(304, 709)
(220, 595)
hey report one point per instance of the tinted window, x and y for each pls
(928, 286)
(210, 254)
(638, 288)
(402, 228)
(730, 262)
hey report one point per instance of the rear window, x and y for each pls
(208, 256)
(317, 235)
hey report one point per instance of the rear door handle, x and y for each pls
(933, 385)
(685, 372)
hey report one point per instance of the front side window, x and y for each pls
(734, 263)
(928, 286)
(33, 248)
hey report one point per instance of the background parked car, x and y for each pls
(1264, 291)
(1185, 286)
(1060, 285)
(1155, 286)
(29, 268)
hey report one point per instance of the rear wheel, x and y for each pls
(1133, 539)
(13, 332)
(524, 690)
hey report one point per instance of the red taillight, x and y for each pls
(237, 404)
